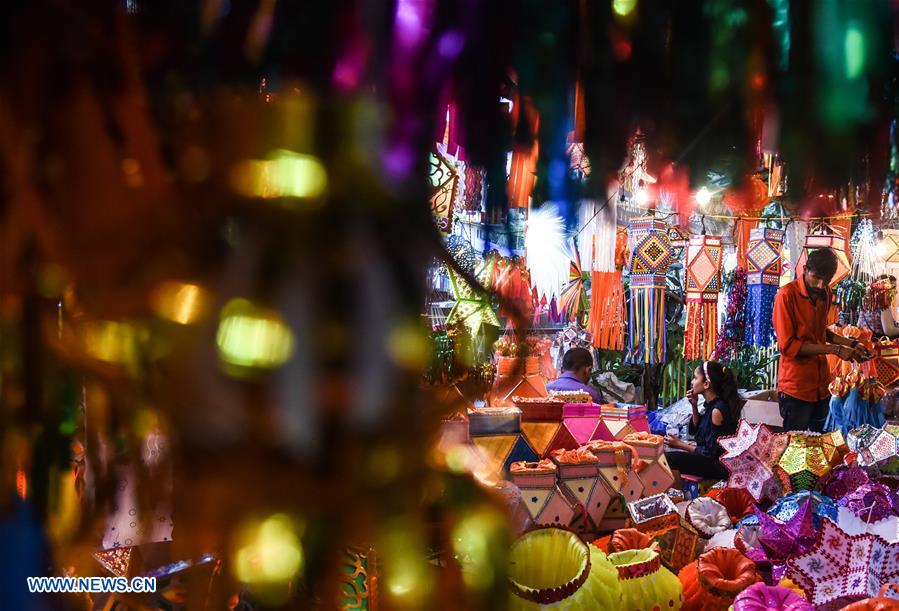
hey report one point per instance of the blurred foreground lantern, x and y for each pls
(283, 174)
(268, 552)
(250, 337)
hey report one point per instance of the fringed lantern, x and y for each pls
(649, 263)
(763, 282)
(834, 241)
(704, 254)
(607, 317)
(887, 251)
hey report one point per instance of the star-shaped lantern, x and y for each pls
(874, 446)
(841, 567)
(750, 456)
(472, 307)
(779, 540)
(807, 458)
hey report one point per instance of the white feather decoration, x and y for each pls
(547, 252)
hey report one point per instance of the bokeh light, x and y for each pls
(283, 174)
(253, 337)
(624, 8)
(179, 302)
(477, 540)
(268, 552)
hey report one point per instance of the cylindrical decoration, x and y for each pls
(650, 259)
(704, 255)
(713, 581)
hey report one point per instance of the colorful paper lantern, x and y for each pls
(650, 259)
(872, 445)
(750, 457)
(645, 583)
(761, 597)
(763, 282)
(654, 470)
(551, 568)
(841, 568)
(704, 256)
(837, 243)
(807, 458)
(712, 582)
(540, 493)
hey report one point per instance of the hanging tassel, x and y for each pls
(759, 312)
(607, 311)
(710, 327)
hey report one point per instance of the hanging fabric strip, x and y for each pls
(763, 281)
(704, 256)
(607, 322)
(651, 256)
(742, 230)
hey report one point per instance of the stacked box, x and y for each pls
(620, 420)
(540, 493)
(579, 479)
(498, 452)
(654, 470)
(494, 420)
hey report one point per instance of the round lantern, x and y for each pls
(551, 568)
(760, 597)
(645, 583)
(713, 581)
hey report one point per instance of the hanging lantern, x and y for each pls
(837, 243)
(763, 282)
(704, 254)
(887, 251)
(650, 259)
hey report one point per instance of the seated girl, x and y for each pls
(722, 413)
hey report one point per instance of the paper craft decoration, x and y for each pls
(763, 282)
(551, 568)
(704, 256)
(621, 420)
(872, 502)
(494, 420)
(750, 456)
(116, 560)
(888, 251)
(654, 470)
(540, 494)
(842, 567)
(618, 464)
(444, 177)
(712, 582)
(358, 581)
(472, 307)
(807, 458)
(886, 363)
(761, 597)
(886, 600)
(539, 409)
(608, 319)
(625, 539)
(650, 259)
(679, 547)
(518, 378)
(500, 451)
(737, 501)
(579, 478)
(645, 583)
(843, 480)
(653, 515)
(707, 516)
(837, 243)
(778, 540)
(872, 445)
(573, 301)
(821, 507)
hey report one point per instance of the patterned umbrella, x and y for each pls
(573, 302)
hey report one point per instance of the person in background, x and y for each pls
(718, 387)
(877, 313)
(577, 365)
(803, 311)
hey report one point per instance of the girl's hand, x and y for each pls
(675, 442)
(693, 399)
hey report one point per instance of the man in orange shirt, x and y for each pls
(803, 311)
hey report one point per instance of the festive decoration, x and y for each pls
(607, 317)
(840, 567)
(494, 420)
(650, 258)
(551, 568)
(763, 282)
(855, 401)
(645, 583)
(827, 237)
(498, 452)
(761, 597)
(679, 547)
(776, 541)
(654, 470)
(737, 501)
(887, 251)
(843, 480)
(472, 307)
(871, 502)
(864, 252)
(573, 302)
(540, 493)
(807, 458)
(750, 456)
(873, 445)
(548, 254)
(733, 332)
(886, 362)
(360, 581)
(704, 256)
(444, 177)
(653, 515)
(712, 582)
(707, 516)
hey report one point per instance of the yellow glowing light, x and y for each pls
(408, 345)
(703, 197)
(113, 342)
(179, 302)
(269, 551)
(476, 539)
(253, 337)
(283, 174)
(623, 8)
(407, 574)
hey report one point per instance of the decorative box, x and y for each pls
(548, 506)
(579, 478)
(540, 436)
(654, 471)
(500, 451)
(614, 428)
(539, 409)
(886, 363)
(654, 515)
(624, 410)
(617, 466)
(616, 515)
(573, 410)
(494, 420)
(573, 433)
(680, 546)
(542, 474)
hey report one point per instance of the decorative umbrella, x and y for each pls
(750, 456)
